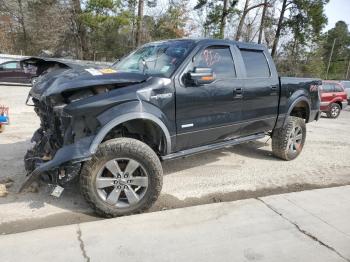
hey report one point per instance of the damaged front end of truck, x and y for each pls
(73, 106)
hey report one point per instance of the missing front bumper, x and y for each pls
(77, 152)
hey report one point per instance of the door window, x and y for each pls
(338, 88)
(12, 65)
(346, 84)
(328, 87)
(219, 59)
(255, 63)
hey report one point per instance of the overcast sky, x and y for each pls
(337, 10)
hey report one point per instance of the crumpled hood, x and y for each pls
(62, 80)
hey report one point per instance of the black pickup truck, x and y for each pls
(111, 128)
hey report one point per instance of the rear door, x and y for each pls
(340, 92)
(212, 112)
(327, 94)
(261, 91)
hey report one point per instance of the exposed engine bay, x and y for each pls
(73, 106)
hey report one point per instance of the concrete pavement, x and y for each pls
(304, 226)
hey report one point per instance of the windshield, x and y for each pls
(159, 59)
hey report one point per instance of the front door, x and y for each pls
(209, 113)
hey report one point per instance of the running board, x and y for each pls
(201, 149)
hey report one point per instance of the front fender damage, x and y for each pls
(77, 152)
(77, 110)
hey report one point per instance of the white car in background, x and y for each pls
(346, 85)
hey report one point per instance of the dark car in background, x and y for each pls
(333, 98)
(12, 72)
(346, 85)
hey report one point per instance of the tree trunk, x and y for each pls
(279, 29)
(223, 20)
(23, 26)
(133, 10)
(241, 21)
(81, 31)
(139, 22)
(262, 23)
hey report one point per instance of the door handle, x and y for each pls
(274, 88)
(238, 92)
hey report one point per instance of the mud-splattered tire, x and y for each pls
(130, 181)
(288, 141)
(334, 111)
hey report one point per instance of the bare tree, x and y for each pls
(79, 28)
(223, 18)
(279, 28)
(262, 25)
(246, 10)
(139, 22)
(16, 10)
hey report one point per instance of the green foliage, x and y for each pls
(106, 29)
(306, 19)
(171, 24)
(106, 21)
(214, 12)
(341, 52)
(110, 26)
(302, 54)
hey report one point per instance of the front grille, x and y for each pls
(50, 123)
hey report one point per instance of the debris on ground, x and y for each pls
(8, 182)
(3, 190)
(33, 188)
(4, 118)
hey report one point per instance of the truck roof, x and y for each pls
(243, 45)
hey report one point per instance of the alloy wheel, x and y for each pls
(335, 111)
(122, 182)
(295, 140)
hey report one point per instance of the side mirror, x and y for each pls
(201, 76)
(1, 68)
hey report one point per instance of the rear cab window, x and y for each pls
(255, 63)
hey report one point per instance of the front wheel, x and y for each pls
(124, 177)
(334, 111)
(288, 141)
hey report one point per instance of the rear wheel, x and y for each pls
(124, 177)
(334, 111)
(288, 141)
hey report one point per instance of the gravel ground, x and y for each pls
(244, 171)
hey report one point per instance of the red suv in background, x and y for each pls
(333, 98)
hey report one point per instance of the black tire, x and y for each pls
(281, 146)
(121, 148)
(334, 111)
